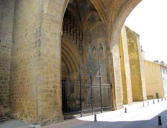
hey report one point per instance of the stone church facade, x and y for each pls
(67, 56)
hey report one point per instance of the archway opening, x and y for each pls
(143, 20)
(85, 83)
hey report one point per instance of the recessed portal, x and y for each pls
(85, 84)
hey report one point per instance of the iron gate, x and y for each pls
(87, 94)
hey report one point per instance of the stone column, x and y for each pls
(6, 41)
(25, 76)
(49, 91)
(36, 80)
(125, 68)
(115, 76)
(136, 66)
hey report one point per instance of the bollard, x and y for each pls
(158, 100)
(35, 126)
(143, 104)
(125, 110)
(81, 114)
(165, 98)
(95, 118)
(153, 102)
(148, 103)
(159, 121)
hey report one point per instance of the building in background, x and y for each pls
(163, 69)
(153, 79)
(153, 74)
(133, 80)
(144, 80)
(164, 78)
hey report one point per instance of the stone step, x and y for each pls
(4, 118)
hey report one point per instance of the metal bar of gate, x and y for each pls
(91, 94)
(101, 100)
(101, 93)
(80, 82)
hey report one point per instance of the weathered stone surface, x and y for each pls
(125, 68)
(136, 66)
(153, 80)
(6, 29)
(25, 76)
(115, 76)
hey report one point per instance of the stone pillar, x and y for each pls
(49, 91)
(125, 68)
(115, 76)
(136, 66)
(6, 40)
(36, 84)
(50, 102)
(141, 62)
(25, 76)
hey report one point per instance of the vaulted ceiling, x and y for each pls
(108, 9)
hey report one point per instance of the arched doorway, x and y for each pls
(85, 80)
(69, 78)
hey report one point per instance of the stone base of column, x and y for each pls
(117, 107)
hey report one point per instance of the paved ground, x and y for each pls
(14, 124)
(137, 116)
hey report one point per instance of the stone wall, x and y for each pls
(153, 79)
(6, 29)
(136, 66)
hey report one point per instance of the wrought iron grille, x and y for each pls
(84, 95)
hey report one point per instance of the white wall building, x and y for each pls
(164, 78)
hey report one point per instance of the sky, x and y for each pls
(149, 20)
